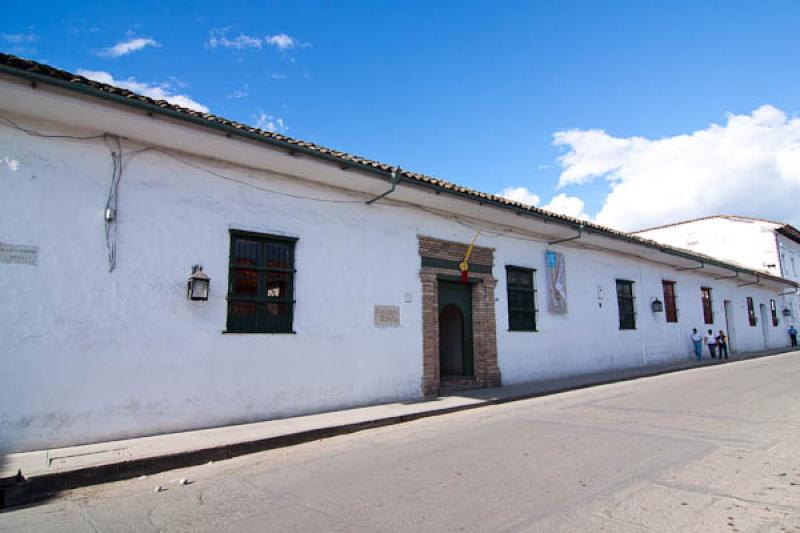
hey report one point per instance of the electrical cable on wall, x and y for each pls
(34, 133)
(110, 214)
(118, 164)
(112, 203)
(183, 160)
(117, 171)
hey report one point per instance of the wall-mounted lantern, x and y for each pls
(786, 312)
(198, 284)
(657, 306)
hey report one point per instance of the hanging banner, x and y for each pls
(556, 282)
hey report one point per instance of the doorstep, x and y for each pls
(48, 471)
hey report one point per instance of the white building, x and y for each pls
(321, 297)
(761, 245)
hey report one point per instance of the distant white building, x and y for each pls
(334, 279)
(762, 245)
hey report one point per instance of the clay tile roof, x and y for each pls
(35, 71)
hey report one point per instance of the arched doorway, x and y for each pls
(455, 330)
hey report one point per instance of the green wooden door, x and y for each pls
(455, 329)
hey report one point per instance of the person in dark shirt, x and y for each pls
(722, 344)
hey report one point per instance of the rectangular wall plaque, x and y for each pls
(387, 316)
(18, 254)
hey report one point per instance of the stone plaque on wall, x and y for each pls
(18, 254)
(387, 316)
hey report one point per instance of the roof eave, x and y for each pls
(481, 198)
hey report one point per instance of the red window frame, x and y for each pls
(670, 302)
(708, 309)
(751, 311)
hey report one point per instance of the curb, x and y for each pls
(44, 486)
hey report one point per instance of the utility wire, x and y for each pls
(117, 167)
(35, 133)
(172, 155)
(219, 175)
(118, 164)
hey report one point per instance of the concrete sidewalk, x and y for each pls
(47, 471)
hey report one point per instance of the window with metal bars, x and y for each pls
(626, 303)
(521, 298)
(773, 309)
(670, 301)
(708, 309)
(751, 311)
(260, 283)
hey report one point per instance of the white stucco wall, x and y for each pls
(588, 338)
(789, 252)
(91, 355)
(750, 243)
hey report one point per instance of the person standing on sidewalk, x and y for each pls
(722, 344)
(711, 340)
(697, 343)
(793, 334)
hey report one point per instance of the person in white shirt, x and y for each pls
(697, 343)
(711, 340)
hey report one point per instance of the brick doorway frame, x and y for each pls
(440, 260)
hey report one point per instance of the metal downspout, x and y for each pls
(394, 180)
(573, 238)
(756, 282)
(702, 266)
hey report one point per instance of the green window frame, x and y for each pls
(260, 283)
(626, 302)
(521, 291)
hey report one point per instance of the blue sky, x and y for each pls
(472, 92)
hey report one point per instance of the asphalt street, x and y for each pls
(710, 449)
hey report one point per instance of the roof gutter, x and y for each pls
(756, 282)
(151, 109)
(573, 238)
(230, 131)
(394, 180)
(701, 267)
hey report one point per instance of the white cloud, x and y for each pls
(161, 91)
(572, 206)
(19, 38)
(271, 123)
(236, 95)
(277, 76)
(520, 194)
(592, 153)
(218, 38)
(750, 165)
(565, 205)
(281, 41)
(20, 43)
(123, 48)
